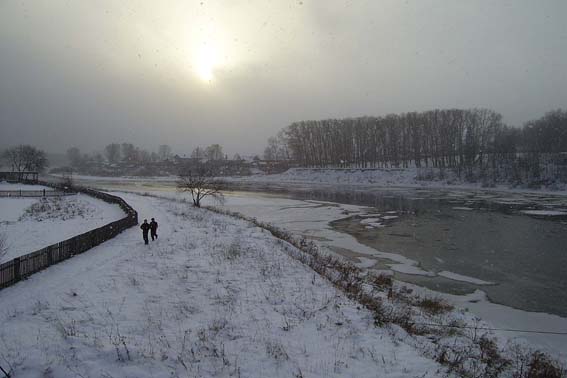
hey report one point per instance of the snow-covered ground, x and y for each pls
(213, 296)
(29, 224)
(16, 186)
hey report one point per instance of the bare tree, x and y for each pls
(75, 157)
(198, 153)
(201, 183)
(277, 148)
(112, 152)
(144, 156)
(98, 158)
(214, 152)
(26, 158)
(164, 152)
(129, 152)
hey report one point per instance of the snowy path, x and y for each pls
(214, 296)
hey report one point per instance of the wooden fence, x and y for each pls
(34, 193)
(24, 266)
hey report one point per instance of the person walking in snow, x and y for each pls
(153, 229)
(145, 228)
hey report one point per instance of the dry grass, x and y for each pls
(434, 306)
(62, 208)
(536, 365)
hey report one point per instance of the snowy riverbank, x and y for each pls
(213, 296)
(311, 219)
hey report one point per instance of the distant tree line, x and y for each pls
(128, 159)
(117, 153)
(475, 143)
(277, 148)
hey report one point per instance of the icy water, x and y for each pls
(511, 246)
(525, 258)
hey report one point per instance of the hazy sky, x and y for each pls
(234, 72)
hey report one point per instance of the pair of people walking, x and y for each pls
(149, 227)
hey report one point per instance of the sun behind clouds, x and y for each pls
(207, 61)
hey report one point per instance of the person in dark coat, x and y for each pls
(153, 229)
(145, 228)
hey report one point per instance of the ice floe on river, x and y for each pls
(460, 277)
(545, 213)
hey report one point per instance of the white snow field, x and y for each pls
(213, 296)
(29, 224)
(16, 186)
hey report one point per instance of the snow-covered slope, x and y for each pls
(213, 296)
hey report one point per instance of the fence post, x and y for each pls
(17, 275)
(50, 256)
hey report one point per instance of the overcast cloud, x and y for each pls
(88, 73)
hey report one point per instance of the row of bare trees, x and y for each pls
(116, 153)
(473, 142)
(212, 153)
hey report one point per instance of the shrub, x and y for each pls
(541, 366)
(434, 306)
(382, 281)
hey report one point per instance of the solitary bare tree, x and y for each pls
(201, 182)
